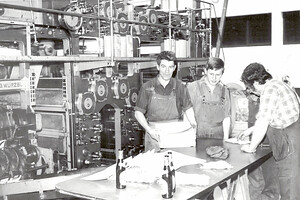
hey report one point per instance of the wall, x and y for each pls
(279, 59)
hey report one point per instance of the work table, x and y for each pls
(106, 189)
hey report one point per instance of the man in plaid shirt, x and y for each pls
(278, 117)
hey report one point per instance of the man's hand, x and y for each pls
(190, 115)
(247, 149)
(245, 134)
(194, 125)
(154, 134)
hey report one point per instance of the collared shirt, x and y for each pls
(278, 104)
(211, 95)
(182, 94)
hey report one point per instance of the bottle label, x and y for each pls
(164, 188)
(122, 179)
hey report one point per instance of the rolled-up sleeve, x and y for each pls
(142, 101)
(268, 103)
(185, 99)
(227, 103)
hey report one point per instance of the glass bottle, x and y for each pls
(120, 169)
(172, 168)
(167, 180)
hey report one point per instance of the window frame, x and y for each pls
(244, 25)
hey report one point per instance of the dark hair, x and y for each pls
(166, 55)
(255, 72)
(215, 63)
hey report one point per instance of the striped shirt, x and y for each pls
(278, 104)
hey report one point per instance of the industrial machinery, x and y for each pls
(71, 71)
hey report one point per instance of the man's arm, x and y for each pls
(259, 132)
(186, 104)
(191, 117)
(226, 127)
(245, 133)
(140, 117)
(227, 120)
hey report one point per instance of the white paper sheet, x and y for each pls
(175, 133)
(236, 141)
(220, 164)
(145, 167)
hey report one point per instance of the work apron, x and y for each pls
(209, 115)
(161, 108)
(173, 132)
(285, 144)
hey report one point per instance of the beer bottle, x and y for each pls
(172, 168)
(167, 180)
(120, 168)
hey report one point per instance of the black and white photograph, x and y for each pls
(149, 99)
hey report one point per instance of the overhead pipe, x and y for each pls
(59, 12)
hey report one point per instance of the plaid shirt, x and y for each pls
(278, 104)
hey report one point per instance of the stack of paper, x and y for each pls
(236, 141)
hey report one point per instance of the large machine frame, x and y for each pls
(72, 71)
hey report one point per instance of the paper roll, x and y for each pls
(117, 47)
(91, 45)
(169, 45)
(108, 46)
(123, 46)
(181, 48)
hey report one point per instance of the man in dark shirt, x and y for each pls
(162, 99)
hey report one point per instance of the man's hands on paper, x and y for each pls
(234, 140)
(247, 149)
(154, 133)
(245, 134)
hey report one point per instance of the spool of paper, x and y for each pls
(181, 48)
(169, 45)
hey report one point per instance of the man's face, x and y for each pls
(258, 87)
(166, 69)
(213, 76)
(252, 92)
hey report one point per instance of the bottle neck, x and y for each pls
(120, 155)
(166, 160)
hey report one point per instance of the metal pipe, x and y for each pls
(210, 28)
(99, 25)
(72, 118)
(170, 35)
(45, 10)
(71, 59)
(221, 29)
(37, 168)
(112, 42)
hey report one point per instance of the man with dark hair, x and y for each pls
(211, 102)
(263, 185)
(162, 99)
(278, 117)
(211, 105)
